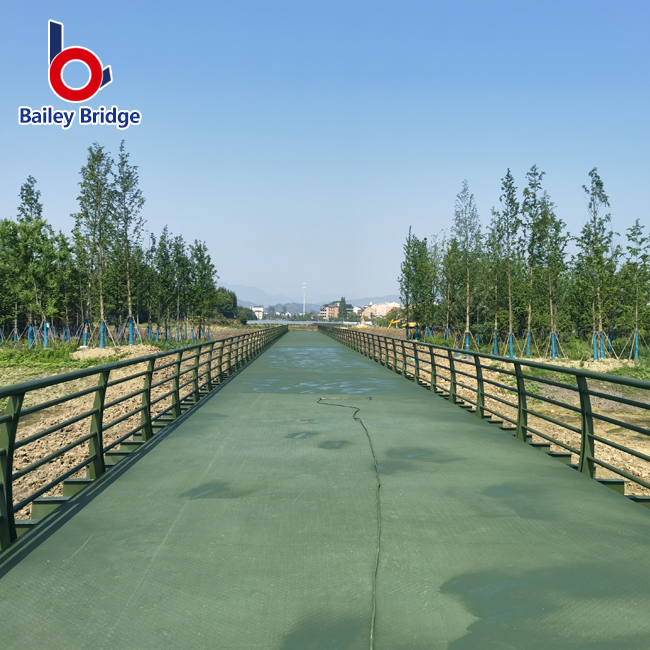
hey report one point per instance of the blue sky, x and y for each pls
(301, 139)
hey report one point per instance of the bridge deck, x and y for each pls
(254, 524)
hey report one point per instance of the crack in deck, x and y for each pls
(323, 401)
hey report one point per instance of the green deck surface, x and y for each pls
(253, 524)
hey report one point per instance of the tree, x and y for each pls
(128, 204)
(245, 314)
(226, 302)
(407, 275)
(597, 256)
(202, 277)
(635, 277)
(343, 309)
(531, 209)
(467, 233)
(94, 222)
(553, 244)
(508, 226)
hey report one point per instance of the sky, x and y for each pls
(301, 139)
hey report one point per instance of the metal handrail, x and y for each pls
(416, 358)
(209, 362)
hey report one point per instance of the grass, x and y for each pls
(55, 358)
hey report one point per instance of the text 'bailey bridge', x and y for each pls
(325, 490)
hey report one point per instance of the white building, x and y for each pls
(259, 312)
(382, 308)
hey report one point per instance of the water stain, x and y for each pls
(526, 501)
(300, 436)
(333, 444)
(401, 458)
(514, 608)
(325, 632)
(215, 490)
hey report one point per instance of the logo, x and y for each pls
(59, 57)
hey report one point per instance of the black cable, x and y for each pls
(323, 400)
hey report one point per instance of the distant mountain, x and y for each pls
(256, 296)
(253, 297)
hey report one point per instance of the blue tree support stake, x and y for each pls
(45, 338)
(102, 335)
(130, 331)
(496, 349)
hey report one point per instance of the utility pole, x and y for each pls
(304, 293)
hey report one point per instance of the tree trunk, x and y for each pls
(128, 272)
(101, 284)
(530, 300)
(510, 314)
(467, 302)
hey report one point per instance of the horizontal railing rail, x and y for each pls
(552, 407)
(104, 413)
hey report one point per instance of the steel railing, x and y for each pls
(507, 392)
(124, 411)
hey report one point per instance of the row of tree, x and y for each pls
(526, 273)
(109, 270)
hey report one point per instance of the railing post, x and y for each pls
(7, 439)
(176, 395)
(220, 363)
(434, 374)
(208, 377)
(587, 447)
(480, 388)
(229, 363)
(452, 377)
(195, 375)
(96, 443)
(417, 362)
(238, 354)
(522, 412)
(145, 415)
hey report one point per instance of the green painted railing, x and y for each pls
(165, 385)
(504, 391)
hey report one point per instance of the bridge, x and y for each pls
(312, 498)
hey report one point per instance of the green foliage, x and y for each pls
(103, 271)
(343, 309)
(245, 314)
(522, 273)
(55, 358)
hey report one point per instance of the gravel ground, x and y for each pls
(616, 434)
(38, 449)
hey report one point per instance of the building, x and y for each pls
(330, 311)
(382, 308)
(379, 310)
(259, 312)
